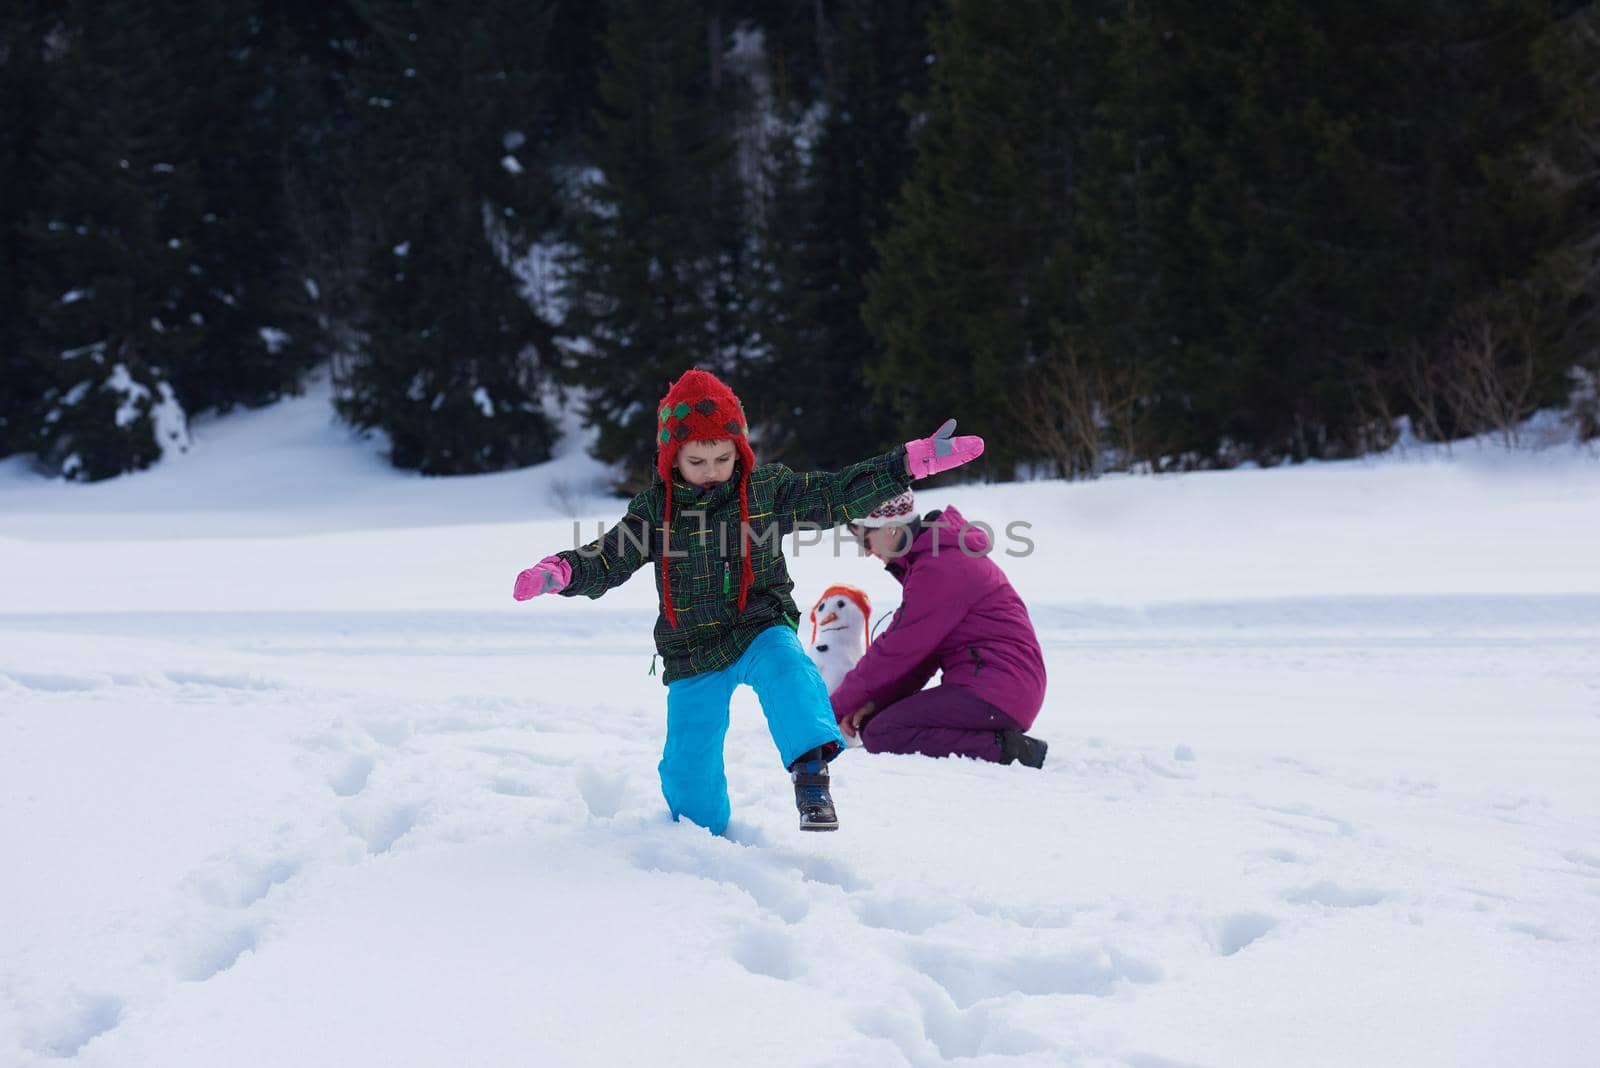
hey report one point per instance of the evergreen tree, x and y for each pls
(453, 351)
(658, 280)
(1567, 155)
(260, 332)
(1280, 221)
(574, 59)
(1142, 351)
(308, 56)
(978, 277)
(1369, 197)
(834, 178)
(1252, 231)
(109, 246)
(25, 103)
(158, 284)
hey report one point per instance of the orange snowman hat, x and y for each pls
(862, 601)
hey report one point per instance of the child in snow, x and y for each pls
(960, 616)
(712, 521)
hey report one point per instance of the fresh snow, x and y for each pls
(286, 777)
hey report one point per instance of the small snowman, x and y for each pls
(839, 632)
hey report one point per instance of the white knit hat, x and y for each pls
(899, 509)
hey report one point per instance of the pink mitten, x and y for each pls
(547, 576)
(941, 452)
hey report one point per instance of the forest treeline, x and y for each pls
(1115, 235)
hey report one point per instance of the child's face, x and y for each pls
(706, 463)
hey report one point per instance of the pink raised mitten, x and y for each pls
(549, 575)
(941, 452)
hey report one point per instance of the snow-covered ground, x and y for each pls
(286, 777)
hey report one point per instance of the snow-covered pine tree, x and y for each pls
(657, 280)
(153, 257)
(453, 195)
(979, 269)
(844, 152)
(108, 295)
(260, 330)
(23, 101)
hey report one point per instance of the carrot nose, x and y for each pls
(831, 617)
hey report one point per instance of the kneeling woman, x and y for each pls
(960, 616)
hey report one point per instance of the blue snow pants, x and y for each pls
(793, 696)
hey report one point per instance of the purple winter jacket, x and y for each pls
(958, 615)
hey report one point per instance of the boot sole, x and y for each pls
(834, 826)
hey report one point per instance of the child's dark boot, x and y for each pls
(1021, 748)
(810, 775)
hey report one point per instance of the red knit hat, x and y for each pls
(700, 407)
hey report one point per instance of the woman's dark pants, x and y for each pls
(942, 721)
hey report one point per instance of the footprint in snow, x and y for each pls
(1584, 864)
(909, 914)
(917, 915)
(1487, 900)
(970, 978)
(1163, 770)
(51, 682)
(770, 951)
(381, 826)
(352, 774)
(1516, 809)
(239, 882)
(211, 953)
(1232, 933)
(1032, 916)
(515, 786)
(825, 871)
(1333, 895)
(342, 760)
(1314, 822)
(389, 733)
(742, 832)
(1150, 1060)
(705, 860)
(62, 1029)
(1282, 856)
(1538, 932)
(602, 792)
(212, 680)
(914, 914)
(524, 757)
(1296, 764)
(934, 1029)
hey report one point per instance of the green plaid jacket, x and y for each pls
(705, 557)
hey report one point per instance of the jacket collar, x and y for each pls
(914, 531)
(687, 496)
